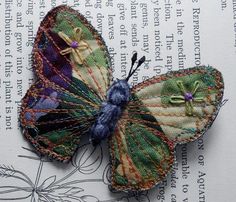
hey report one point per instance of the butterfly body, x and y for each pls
(118, 96)
(73, 96)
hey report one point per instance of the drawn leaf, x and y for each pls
(107, 175)
(48, 182)
(88, 198)
(73, 191)
(6, 192)
(6, 171)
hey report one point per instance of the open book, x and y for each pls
(172, 35)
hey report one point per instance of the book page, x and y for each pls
(172, 34)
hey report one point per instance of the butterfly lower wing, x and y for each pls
(53, 120)
(141, 156)
(71, 49)
(160, 102)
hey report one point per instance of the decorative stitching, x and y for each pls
(188, 97)
(75, 129)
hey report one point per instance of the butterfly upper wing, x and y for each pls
(61, 106)
(60, 25)
(142, 146)
(154, 98)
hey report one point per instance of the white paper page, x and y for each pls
(172, 34)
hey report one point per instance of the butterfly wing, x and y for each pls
(140, 156)
(181, 118)
(65, 35)
(53, 120)
(152, 124)
(62, 105)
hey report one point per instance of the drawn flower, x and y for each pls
(75, 43)
(187, 97)
(18, 185)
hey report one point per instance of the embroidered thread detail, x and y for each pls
(142, 141)
(76, 45)
(187, 97)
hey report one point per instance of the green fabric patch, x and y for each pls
(64, 22)
(148, 151)
(170, 86)
(55, 136)
(80, 89)
(61, 150)
(120, 180)
(96, 58)
(142, 113)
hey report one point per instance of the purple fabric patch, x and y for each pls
(55, 66)
(43, 103)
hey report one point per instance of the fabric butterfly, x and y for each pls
(74, 96)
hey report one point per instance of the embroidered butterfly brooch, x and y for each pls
(75, 95)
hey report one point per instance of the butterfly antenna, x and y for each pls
(140, 62)
(133, 59)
